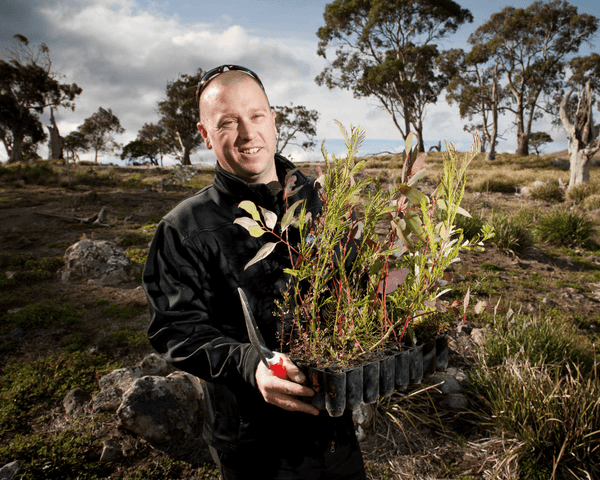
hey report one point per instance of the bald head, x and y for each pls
(231, 78)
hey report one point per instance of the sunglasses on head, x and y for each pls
(215, 72)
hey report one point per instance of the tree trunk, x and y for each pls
(580, 164)
(583, 135)
(186, 155)
(522, 144)
(55, 146)
(16, 152)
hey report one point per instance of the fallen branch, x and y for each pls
(98, 219)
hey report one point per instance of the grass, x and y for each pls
(38, 315)
(564, 227)
(124, 311)
(512, 234)
(126, 335)
(536, 380)
(30, 387)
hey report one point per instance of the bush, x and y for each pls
(499, 185)
(511, 234)
(578, 193)
(536, 381)
(565, 228)
(471, 226)
(550, 192)
(592, 202)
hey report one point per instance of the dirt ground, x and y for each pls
(40, 222)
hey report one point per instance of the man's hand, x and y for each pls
(283, 392)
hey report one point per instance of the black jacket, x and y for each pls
(195, 265)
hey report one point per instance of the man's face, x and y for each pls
(239, 125)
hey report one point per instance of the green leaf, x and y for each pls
(250, 208)
(414, 196)
(270, 218)
(415, 225)
(441, 203)
(253, 227)
(288, 218)
(264, 251)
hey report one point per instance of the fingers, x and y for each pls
(283, 393)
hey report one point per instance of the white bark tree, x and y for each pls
(583, 134)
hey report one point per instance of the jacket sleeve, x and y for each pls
(177, 281)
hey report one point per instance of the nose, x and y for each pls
(246, 129)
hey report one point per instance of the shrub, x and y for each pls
(511, 235)
(499, 185)
(592, 202)
(578, 193)
(549, 192)
(536, 381)
(548, 339)
(555, 417)
(471, 226)
(565, 228)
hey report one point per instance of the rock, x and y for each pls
(8, 471)
(111, 450)
(99, 262)
(162, 409)
(448, 383)
(154, 364)
(112, 387)
(454, 401)
(548, 302)
(362, 418)
(478, 336)
(114, 384)
(459, 376)
(75, 401)
(464, 330)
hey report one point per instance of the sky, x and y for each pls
(122, 53)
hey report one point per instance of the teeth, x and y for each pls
(252, 150)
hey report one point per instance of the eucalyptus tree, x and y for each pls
(293, 121)
(576, 114)
(385, 49)
(27, 87)
(99, 131)
(474, 85)
(531, 46)
(179, 115)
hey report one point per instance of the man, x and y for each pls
(256, 424)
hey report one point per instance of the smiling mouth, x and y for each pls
(251, 150)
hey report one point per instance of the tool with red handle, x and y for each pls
(268, 357)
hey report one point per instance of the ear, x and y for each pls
(274, 125)
(204, 134)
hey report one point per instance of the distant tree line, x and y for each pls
(28, 86)
(522, 62)
(518, 63)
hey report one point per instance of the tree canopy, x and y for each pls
(179, 115)
(294, 121)
(151, 144)
(99, 131)
(27, 87)
(385, 49)
(531, 46)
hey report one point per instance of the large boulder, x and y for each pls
(114, 384)
(162, 409)
(98, 262)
